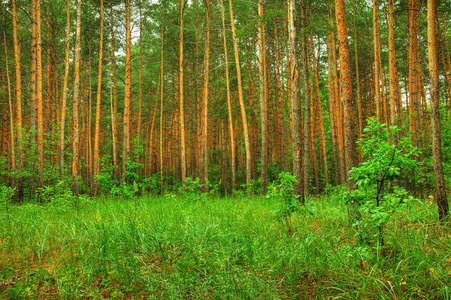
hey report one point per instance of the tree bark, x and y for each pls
(75, 132)
(305, 67)
(241, 99)
(229, 103)
(346, 85)
(181, 91)
(295, 98)
(128, 90)
(440, 189)
(98, 107)
(64, 95)
(262, 95)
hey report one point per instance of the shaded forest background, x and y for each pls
(139, 95)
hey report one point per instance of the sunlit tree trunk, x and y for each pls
(181, 91)
(11, 109)
(98, 107)
(305, 67)
(40, 128)
(295, 98)
(161, 104)
(359, 93)
(262, 94)
(241, 99)
(17, 65)
(64, 95)
(75, 132)
(440, 189)
(346, 86)
(140, 100)
(128, 90)
(203, 156)
(229, 103)
(114, 112)
(393, 72)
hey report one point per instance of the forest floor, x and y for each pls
(175, 247)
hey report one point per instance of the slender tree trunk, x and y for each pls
(377, 61)
(161, 103)
(140, 77)
(98, 107)
(346, 85)
(241, 99)
(305, 64)
(262, 94)
(75, 132)
(182, 108)
(440, 189)
(359, 93)
(32, 163)
(295, 98)
(203, 165)
(128, 90)
(393, 72)
(17, 65)
(114, 112)
(64, 95)
(39, 98)
(11, 109)
(229, 103)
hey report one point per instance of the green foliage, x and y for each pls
(61, 198)
(378, 196)
(282, 191)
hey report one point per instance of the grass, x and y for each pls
(176, 248)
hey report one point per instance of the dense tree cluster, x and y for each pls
(227, 91)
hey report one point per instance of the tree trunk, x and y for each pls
(305, 65)
(75, 132)
(346, 85)
(98, 107)
(181, 91)
(229, 103)
(393, 72)
(359, 93)
(440, 189)
(17, 65)
(262, 94)
(295, 97)
(241, 99)
(203, 165)
(39, 98)
(161, 103)
(64, 95)
(114, 112)
(128, 90)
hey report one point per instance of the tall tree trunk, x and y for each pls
(346, 85)
(440, 189)
(305, 65)
(182, 108)
(161, 103)
(11, 110)
(359, 93)
(229, 103)
(140, 105)
(40, 128)
(114, 112)
(393, 72)
(262, 94)
(32, 164)
(64, 95)
(17, 65)
(128, 90)
(377, 62)
(98, 107)
(295, 98)
(203, 165)
(241, 99)
(75, 132)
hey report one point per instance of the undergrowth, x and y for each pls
(228, 248)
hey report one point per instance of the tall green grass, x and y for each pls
(177, 248)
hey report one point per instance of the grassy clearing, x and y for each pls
(176, 248)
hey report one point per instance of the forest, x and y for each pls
(200, 149)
